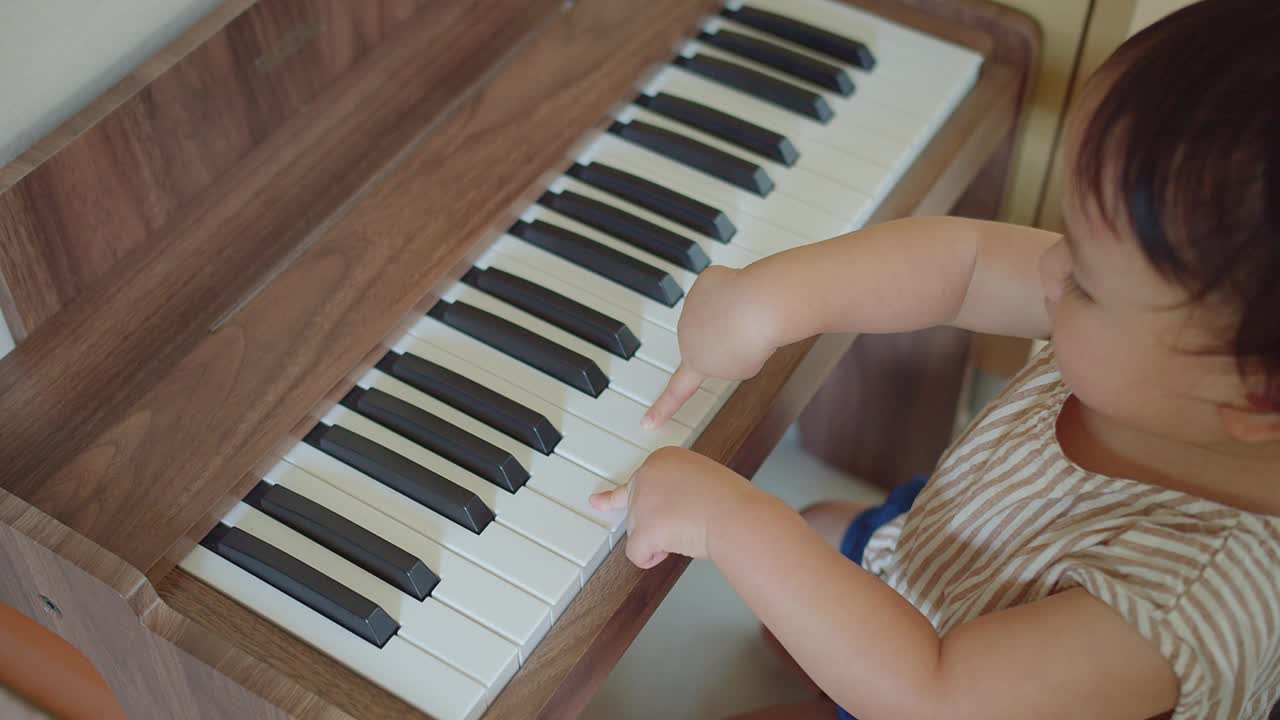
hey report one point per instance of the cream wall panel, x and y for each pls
(1113, 21)
(1062, 23)
(1149, 11)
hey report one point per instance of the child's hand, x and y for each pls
(721, 334)
(671, 501)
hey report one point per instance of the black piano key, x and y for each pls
(402, 475)
(565, 313)
(303, 583)
(440, 437)
(670, 246)
(745, 135)
(699, 156)
(828, 43)
(651, 196)
(822, 74)
(507, 416)
(767, 88)
(377, 556)
(559, 362)
(650, 281)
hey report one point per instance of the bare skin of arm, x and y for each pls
(896, 277)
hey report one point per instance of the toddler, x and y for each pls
(1104, 539)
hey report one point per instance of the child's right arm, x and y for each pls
(896, 277)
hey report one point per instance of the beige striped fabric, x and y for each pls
(1007, 519)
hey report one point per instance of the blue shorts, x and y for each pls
(868, 521)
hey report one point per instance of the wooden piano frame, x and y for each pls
(203, 261)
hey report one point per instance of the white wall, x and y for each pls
(58, 55)
(6, 341)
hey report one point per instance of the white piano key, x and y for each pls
(589, 445)
(776, 210)
(612, 410)
(683, 278)
(759, 236)
(524, 511)
(533, 256)
(883, 149)
(903, 55)
(796, 182)
(731, 254)
(831, 185)
(658, 345)
(634, 378)
(500, 550)
(431, 686)
(551, 475)
(899, 81)
(429, 624)
(464, 586)
(849, 114)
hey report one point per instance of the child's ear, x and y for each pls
(1250, 425)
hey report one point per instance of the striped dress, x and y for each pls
(1007, 519)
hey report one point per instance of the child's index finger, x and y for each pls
(683, 384)
(608, 500)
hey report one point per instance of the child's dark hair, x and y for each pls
(1184, 148)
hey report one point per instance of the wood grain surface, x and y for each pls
(69, 220)
(131, 413)
(81, 592)
(151, 401)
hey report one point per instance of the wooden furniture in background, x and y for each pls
(200, 273)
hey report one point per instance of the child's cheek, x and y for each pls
(1080, 356)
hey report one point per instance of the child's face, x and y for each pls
(1127, 340)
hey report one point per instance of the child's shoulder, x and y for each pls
(1203, 586)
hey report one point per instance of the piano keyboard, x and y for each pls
(434, 524)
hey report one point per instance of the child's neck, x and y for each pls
(1248, 481)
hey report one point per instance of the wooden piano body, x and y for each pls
(202, 262)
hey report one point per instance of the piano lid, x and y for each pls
(133, 248)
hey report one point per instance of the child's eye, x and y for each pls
(1073, 286)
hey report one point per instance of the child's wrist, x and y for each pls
(747, 506)
(762, 304)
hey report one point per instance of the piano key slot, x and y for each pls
(681, 209)
(770, 89)
(567, 366)
(566, 313)
(782, 59)
(700, 156)
(748, 136)
(353, 542)
(402, 475)
(619, 267)
(450, 442)
(837, 46)
(303, 583)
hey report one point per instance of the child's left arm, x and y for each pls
(1067, 656)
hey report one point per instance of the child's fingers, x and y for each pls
(683, 384)
(642, 554)
(615, 499)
